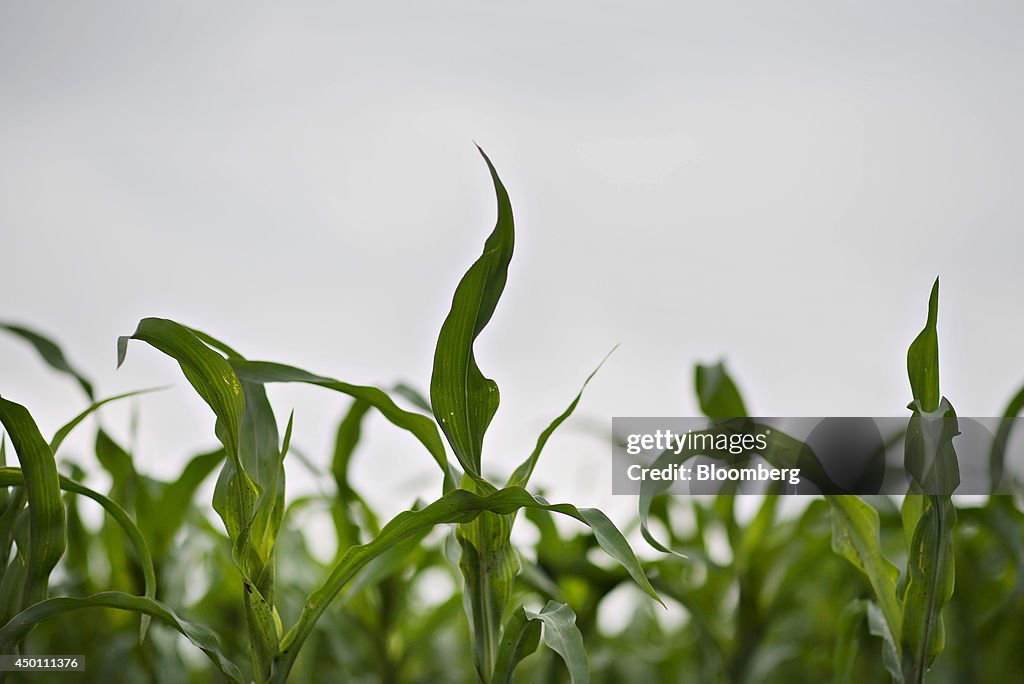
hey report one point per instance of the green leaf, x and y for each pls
(118, 462)
(910, 514)
(200, 637)
(14, 477)
(206, 370)
(51, 353)
(413, 396)
(519, 638)
(418, 425)
(346, 438)
(166, 511)
(463, 400)
(65, 430)
(855, 537)
(923, 358)
(521, 476)
(47, 529)
(563, 637)
(458, 506)
(349, 501)
(717, 393)
(214, 380)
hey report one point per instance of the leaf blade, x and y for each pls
(463, 400)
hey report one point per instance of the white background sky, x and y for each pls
(773, 183)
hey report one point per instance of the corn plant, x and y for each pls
(249, 497)
(903, 609)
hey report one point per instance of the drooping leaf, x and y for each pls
(458, 506)
(249, 492)
(14, 477)
(51, 353)
(563, 637)
(201, 637)
(520, 637)
(418, 425)
(206, 370)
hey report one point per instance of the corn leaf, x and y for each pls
(458, 506)
(413, 396)
(520, 637)
(521, 476)
(161, 507)
(563, 637)
(923, 358)
(14, 477)
(350, 503)
(200, 637)
(206, 370)
(65, 430)
(462, 399)
(47, 530)
(855, 537)
(420, 426)
(717, 393)
(249, 492)
(52, 354)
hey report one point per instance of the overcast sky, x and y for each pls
(776, 184)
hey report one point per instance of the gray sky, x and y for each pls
(773, 183)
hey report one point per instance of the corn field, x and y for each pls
(211, 576)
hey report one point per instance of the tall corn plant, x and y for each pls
(250, 490)
(906, 611)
